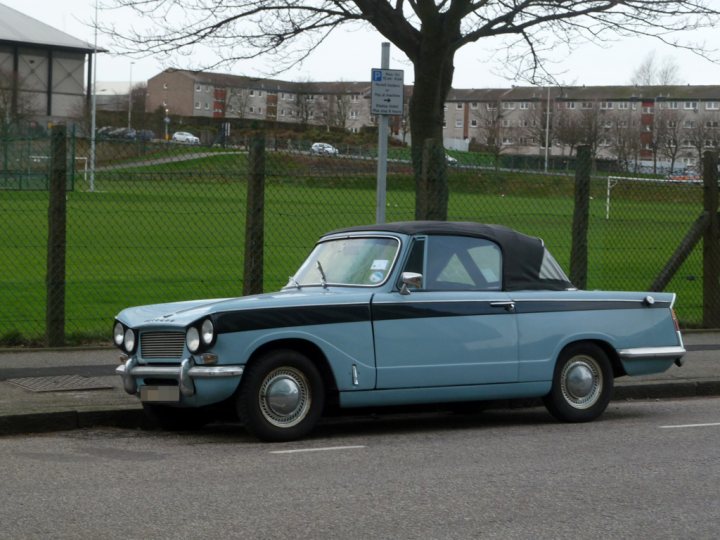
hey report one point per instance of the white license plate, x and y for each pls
(160, 393)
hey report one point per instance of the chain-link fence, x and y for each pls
(159, 222)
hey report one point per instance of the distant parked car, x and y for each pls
(321, 148)
(396, 314)
(185, 137)
(145, 135)
(450, 160)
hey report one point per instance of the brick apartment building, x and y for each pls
(658, 124)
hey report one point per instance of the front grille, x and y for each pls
(162, 344)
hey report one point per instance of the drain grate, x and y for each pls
(64, 383)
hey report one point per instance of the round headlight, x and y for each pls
(118, 334)
(129, 340)
(192, 339)
(207, 332)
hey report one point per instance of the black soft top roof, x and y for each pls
(523, 255)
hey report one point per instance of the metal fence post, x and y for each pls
(56, 245)
(711, 243)
(255, 218)
(581, 215)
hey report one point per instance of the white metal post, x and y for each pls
(382, 149)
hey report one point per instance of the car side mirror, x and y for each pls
(410, 279)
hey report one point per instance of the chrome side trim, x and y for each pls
(651, 352)
(184, 374)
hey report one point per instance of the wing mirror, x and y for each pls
(410, 279)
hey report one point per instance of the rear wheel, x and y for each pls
(582, 384)
(281, 396)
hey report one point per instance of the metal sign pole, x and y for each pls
(382, 149)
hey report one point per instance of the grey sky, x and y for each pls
(350, 55)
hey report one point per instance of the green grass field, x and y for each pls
(156, 231)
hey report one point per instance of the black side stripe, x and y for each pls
(264, 319)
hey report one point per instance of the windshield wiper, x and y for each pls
(294, 282)
(322, 274)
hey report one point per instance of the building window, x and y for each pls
(474, 105)
(623, 105)
(473, 123)
(353, 114)
(459, 106)
(711, 124)
(671, 123)
(444, 124)
(508, 105)
(354, 97)
(524, 105)
(207, 106)
(672, 105)
(709, 143)
(606, 105)
(251, 109)
(690, 105)
(165, 86)
(251, 93)
(506, 123)
(712, 105)
(458, 123)
(197, 104)
(198, 88)
(688, 124)
(507, 141)
(491, 106)
(587, 105)
(569, 104)
(282, 112)
(311, 97)
(687, 143)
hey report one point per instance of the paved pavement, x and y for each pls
(50, 390)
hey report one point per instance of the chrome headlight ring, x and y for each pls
(125, 338)
(200, 336)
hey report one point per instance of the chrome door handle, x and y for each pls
(507, 305)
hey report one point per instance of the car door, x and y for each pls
(458, 328)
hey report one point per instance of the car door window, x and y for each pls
(463, 263)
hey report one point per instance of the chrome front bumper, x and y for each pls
(184, 374)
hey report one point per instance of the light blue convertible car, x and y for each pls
(396, 314)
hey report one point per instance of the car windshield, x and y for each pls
(359, 261)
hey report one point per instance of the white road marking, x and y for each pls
(325, 449)
(715, 424)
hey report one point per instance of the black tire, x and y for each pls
(176, 418)
(582, 384)
(281, 396)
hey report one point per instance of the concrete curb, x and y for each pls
(134, 417)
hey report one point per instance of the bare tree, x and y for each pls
(650, 72)
(666, 135)
(491, 132)
(702, 132)
(623, 132)
(429, 32)
(16, 107)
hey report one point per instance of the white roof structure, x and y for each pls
(18, 28)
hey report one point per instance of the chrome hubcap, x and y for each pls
(285, 397)
(581, 382)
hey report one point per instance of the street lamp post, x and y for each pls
(130, 97)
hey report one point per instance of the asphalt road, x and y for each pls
(644, 470)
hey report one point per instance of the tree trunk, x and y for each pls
(433, 79)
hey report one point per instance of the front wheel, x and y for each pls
(582, 384)
(281, 396)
